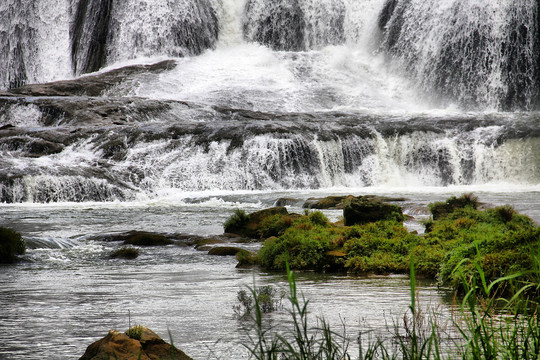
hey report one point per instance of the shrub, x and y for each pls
(236, 221)
(11, 245)
(304, 246)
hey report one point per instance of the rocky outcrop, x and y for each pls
(11, 245)
(138, 343)
(250, 225)
(337, 202)
(226, 251)
(329, 202)
(91, 85)
(277, 24)
(361, 210)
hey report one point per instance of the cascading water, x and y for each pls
(475, 53)
(167, 115)
(265, 95)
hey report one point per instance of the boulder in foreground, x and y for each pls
(138, 343)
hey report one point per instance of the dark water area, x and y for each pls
(166, 116)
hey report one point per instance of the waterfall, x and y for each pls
(34, 41)
(478, 54)
(265, 95)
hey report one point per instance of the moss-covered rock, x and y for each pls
(362, 210)
(138, 343)
(328, 203)
(441, 209)
(243, 224)
(11, 245)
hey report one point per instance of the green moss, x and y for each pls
(440, 210)
(499, 241)
(11, 245)
(363, 210)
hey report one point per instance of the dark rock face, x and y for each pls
(361, 210)
(278, 24)
(138, 343)
(92, 85)
(225, 251)
(89, 35)
(11, 245)
(17, 41)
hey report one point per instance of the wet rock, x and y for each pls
(140, 238)
(138, 343)
(125, 253)
(279, 24)
(91, 85)
(327, 203)
(361, 210)
(225, 251)
(11, 245)
(207, 242)
(287, 202)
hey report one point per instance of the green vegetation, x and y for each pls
(135, 332)
(268, 299)
(499, 240)
(236, 222)
(480, 330)
(11, 245)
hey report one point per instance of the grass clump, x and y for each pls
(480, 329)
(11, 245)
(135, 332)
(440, 210)
(236, 221)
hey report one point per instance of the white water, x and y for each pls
(343, 116)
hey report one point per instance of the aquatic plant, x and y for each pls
(268, 298)
(480, 329)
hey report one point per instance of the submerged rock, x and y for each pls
(125, 253)
(138, 343)
(361, 210)
(226, 251)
